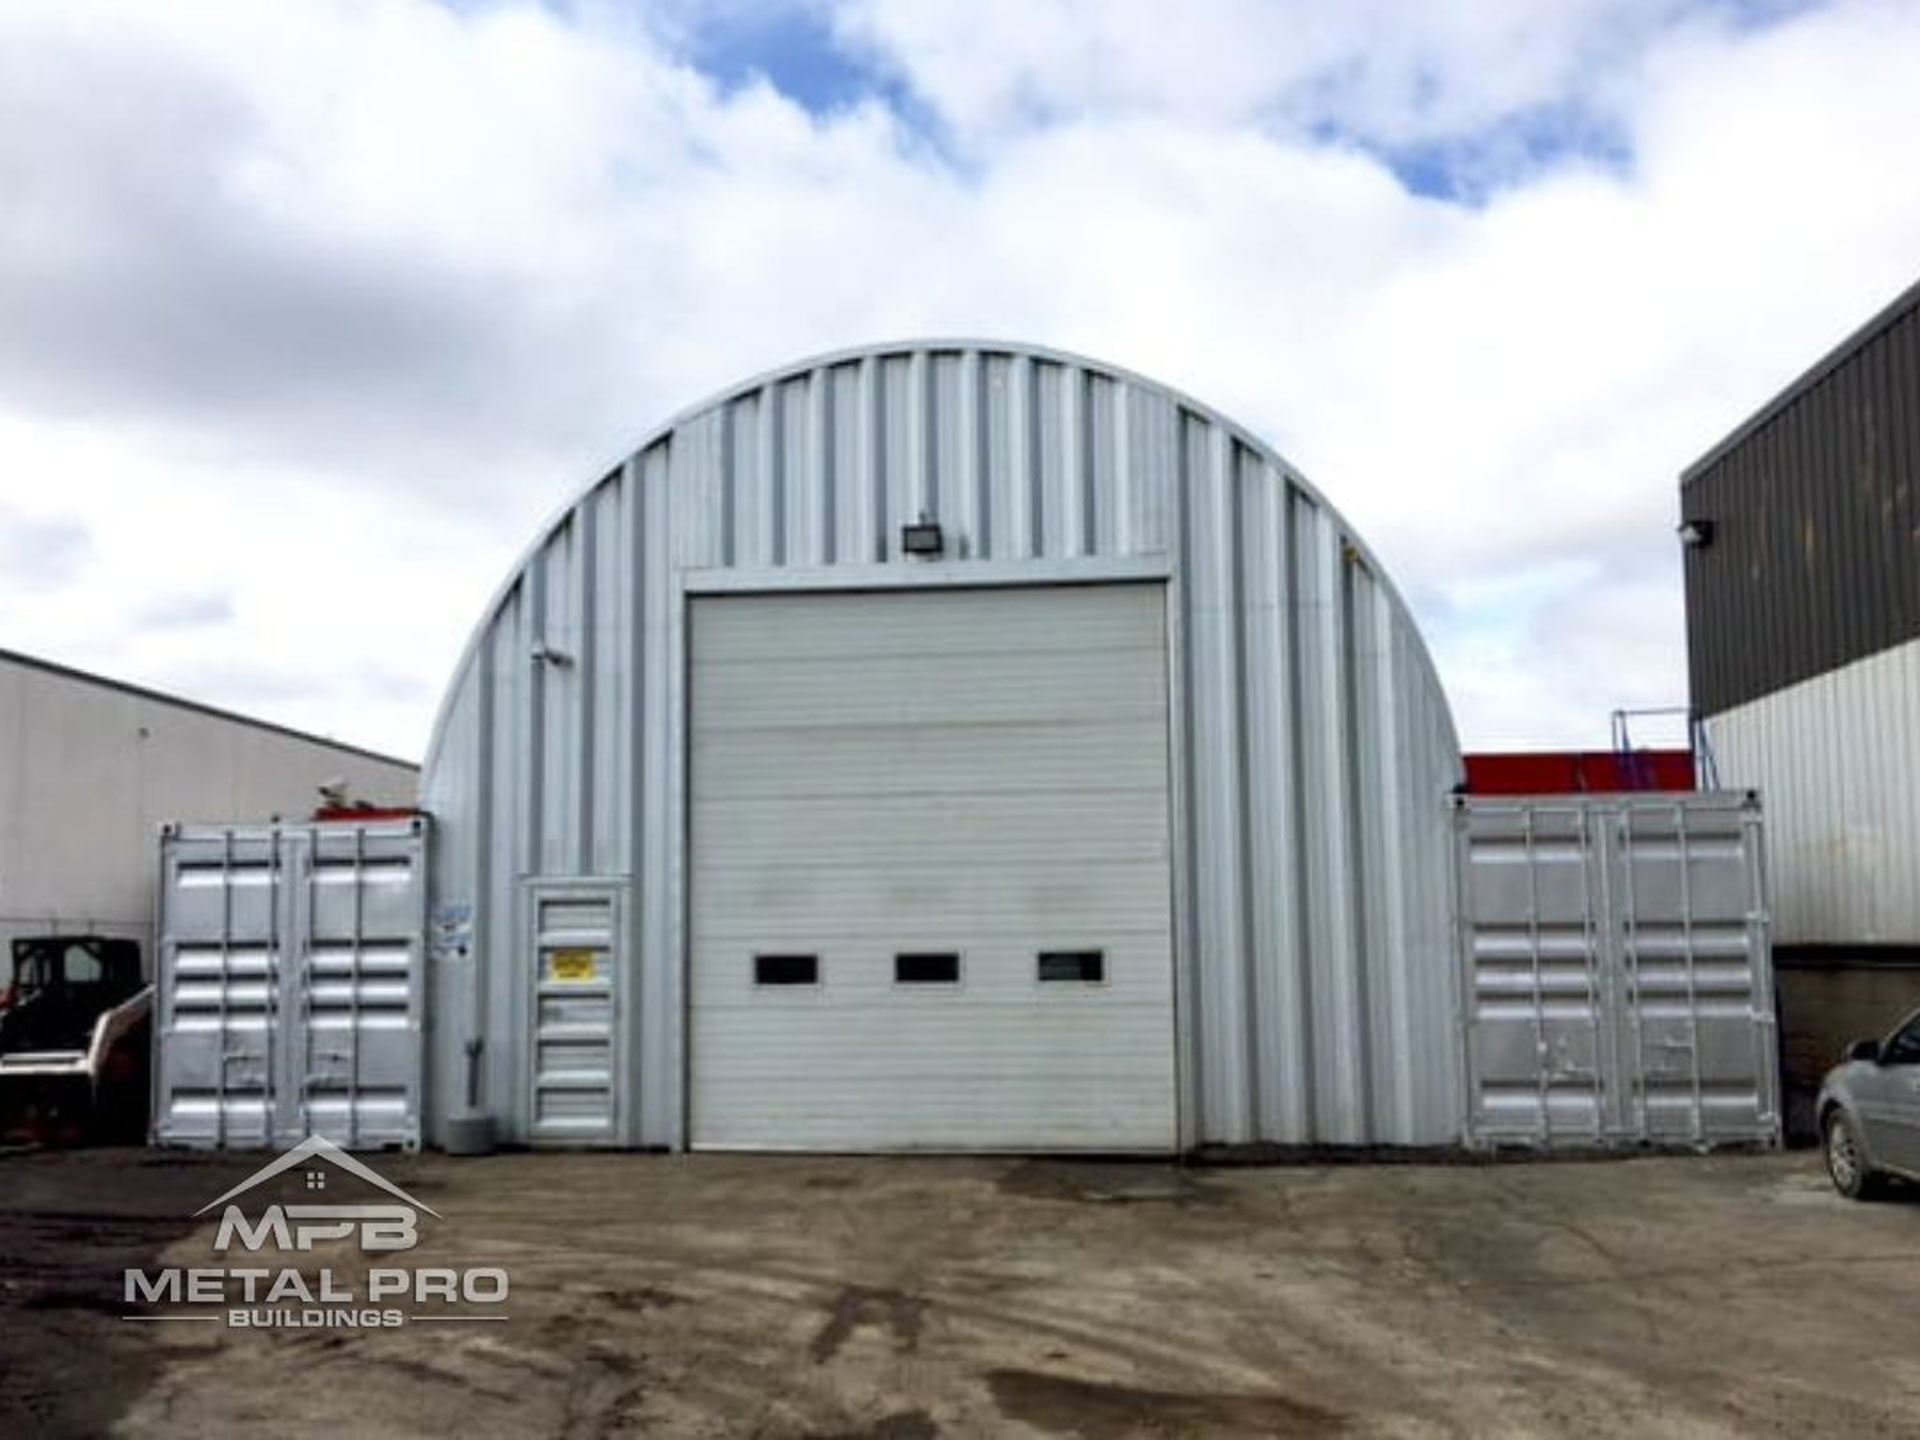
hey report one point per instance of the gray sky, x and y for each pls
(310, 312)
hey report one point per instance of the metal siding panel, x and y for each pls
(1279, 1062)
(656, 747)
(1814, 560)
(1295, 1009)
(1834, 758)
(1216, 863)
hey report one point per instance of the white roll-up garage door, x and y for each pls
(930, 870)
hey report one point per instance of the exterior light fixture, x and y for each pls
(1696, 534)
(923, 537)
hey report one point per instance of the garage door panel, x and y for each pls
(1007, 972)
(944, 906)
(1011, 759)
(978, 624)
(859, 694)
(981, 773)
(1075, 826)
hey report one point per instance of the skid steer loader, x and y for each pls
(75, 1031)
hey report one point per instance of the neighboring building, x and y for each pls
(91, 768)
(949, 746)
(1802, 531)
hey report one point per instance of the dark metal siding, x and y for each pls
(1815, 557)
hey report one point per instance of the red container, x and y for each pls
(1563, 772)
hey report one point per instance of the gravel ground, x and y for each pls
(735, 1295)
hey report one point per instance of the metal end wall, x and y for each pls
(1313, 749)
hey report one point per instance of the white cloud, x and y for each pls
(313, 310)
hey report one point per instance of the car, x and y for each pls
(1869, 1111)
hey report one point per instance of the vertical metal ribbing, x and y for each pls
(1693, 986)
(298, 931)
(582, 644)
(1543, 1076)
(821, 440)
(1386, 816)
(1066, 535)
(1353, 772)
(1760, 995)
(923, 439)
(636, 844)
(353, 975)
(1247, 959)
(1082, 475)
(727, 480)
(483, 899)
(772, 402)
(874, 452)
(979, 447)
(1594, 856)
(1205, 1119)
(1630, 956)
(1467, 968)
(226, 985)
(534, 728)
(1121, 533)
(1299, 637)
(1030, 456)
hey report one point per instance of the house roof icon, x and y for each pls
(318, 1147)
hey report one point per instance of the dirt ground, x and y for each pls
(911, 1298)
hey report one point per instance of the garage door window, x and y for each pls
(1073, 967)
(927, 967)
(786, 969)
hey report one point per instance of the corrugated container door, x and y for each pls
(289, 979)
(1617, 976)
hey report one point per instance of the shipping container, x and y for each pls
(290, 984)
(1618, 988)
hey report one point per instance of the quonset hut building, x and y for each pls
(946, 745)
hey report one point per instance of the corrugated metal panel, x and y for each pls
(979, 773)
(1815, 503)
(1618, 971)
(1313, 750)
(289, 981)
(1837, 761)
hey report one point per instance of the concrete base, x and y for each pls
(469, 1135)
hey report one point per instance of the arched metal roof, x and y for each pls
(1313, 750)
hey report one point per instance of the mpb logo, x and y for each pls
(256, 1298)
(298, 1227)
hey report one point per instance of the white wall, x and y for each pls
(89, 772)
(1836, 760)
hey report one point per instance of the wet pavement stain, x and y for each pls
(1067, 1406)
(901, 1425)
(858, 1305)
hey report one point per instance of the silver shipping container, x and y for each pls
(1616, 971)
(289, 984)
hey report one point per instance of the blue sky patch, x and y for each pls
(1470, 169)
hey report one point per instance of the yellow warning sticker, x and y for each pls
(570, 965)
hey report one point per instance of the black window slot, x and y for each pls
(927, 967)
(786, 969)
(1083, 967)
